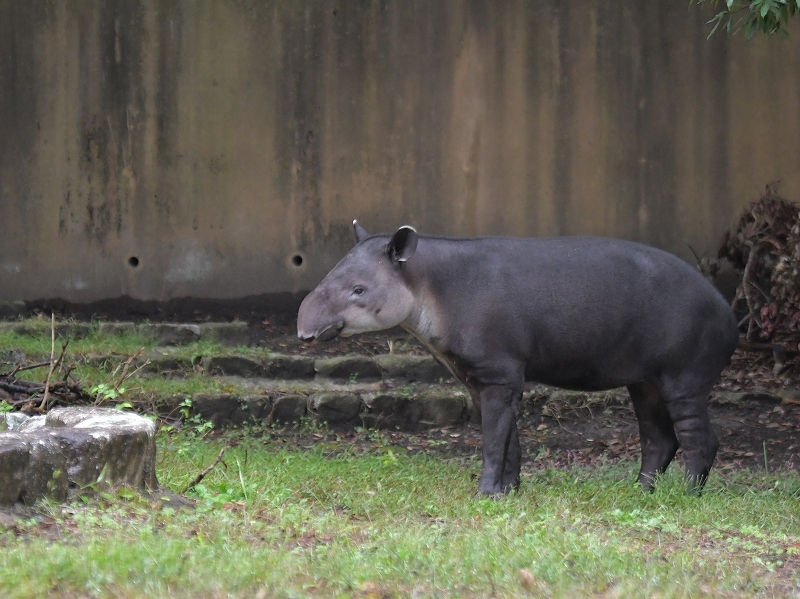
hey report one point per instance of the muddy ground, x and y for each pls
(754, 430)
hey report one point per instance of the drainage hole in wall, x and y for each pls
(297, 261)
(133, 262)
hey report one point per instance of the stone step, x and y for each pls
(172, 359)
(430, 407)
(343, 369)
(375, 405)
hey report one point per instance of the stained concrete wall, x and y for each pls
(168, 148)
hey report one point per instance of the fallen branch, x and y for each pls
(770, 347)
(203, 474)
(21, 368)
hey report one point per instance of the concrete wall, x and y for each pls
(169, 148)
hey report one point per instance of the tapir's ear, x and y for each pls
(402, 245)
(361, 234)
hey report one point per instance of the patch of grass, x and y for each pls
(98, 358)
(275, 522)
(35, 343)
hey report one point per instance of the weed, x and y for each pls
(105, 392)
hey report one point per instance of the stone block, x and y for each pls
(335, 407)
(441, 409)
(119, 444)
(168, 364)
(231, 334)
(348, 369)
(14, 458)
(414, 369)
(233, 366)
(287, 409)
(47, 473)
(255, 407)
(77, 447)
(392, 412)
(278, 366)
(219, 409)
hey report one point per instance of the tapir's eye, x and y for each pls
(358, 290)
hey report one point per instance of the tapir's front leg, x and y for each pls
(501, 450)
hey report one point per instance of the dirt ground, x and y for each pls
(754, 431)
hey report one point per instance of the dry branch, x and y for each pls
(765, 245)
(205, 472)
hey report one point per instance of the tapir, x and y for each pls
(580, 313)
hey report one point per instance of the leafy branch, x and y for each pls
(767, 16)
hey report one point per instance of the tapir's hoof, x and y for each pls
(647, 482)
(497, 492)
(695, 484)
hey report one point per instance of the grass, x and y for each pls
(97, 355)
(277, 522)
(337, 520)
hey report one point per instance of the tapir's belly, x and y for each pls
(586, 376)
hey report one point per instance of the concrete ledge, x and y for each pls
(72, 448)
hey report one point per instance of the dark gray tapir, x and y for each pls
(575, 312)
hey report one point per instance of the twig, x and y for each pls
(19, 387)
(125, 369)
(745, 281)
(52, 357)
(55, 365)
(203, 474)
(20, 368)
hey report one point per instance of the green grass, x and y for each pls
(339, 521)
(37, 343)
(98, 358)
(272, 522)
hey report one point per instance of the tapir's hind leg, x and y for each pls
(513, 463)
(656, 432)
(698, 442)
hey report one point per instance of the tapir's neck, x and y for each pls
(426, 275)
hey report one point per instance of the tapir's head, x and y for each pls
(365, 292)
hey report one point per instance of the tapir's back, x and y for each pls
(581, 312)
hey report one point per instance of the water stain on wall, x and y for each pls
(162, 148)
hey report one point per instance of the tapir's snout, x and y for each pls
(313, 322)
(325, 334)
